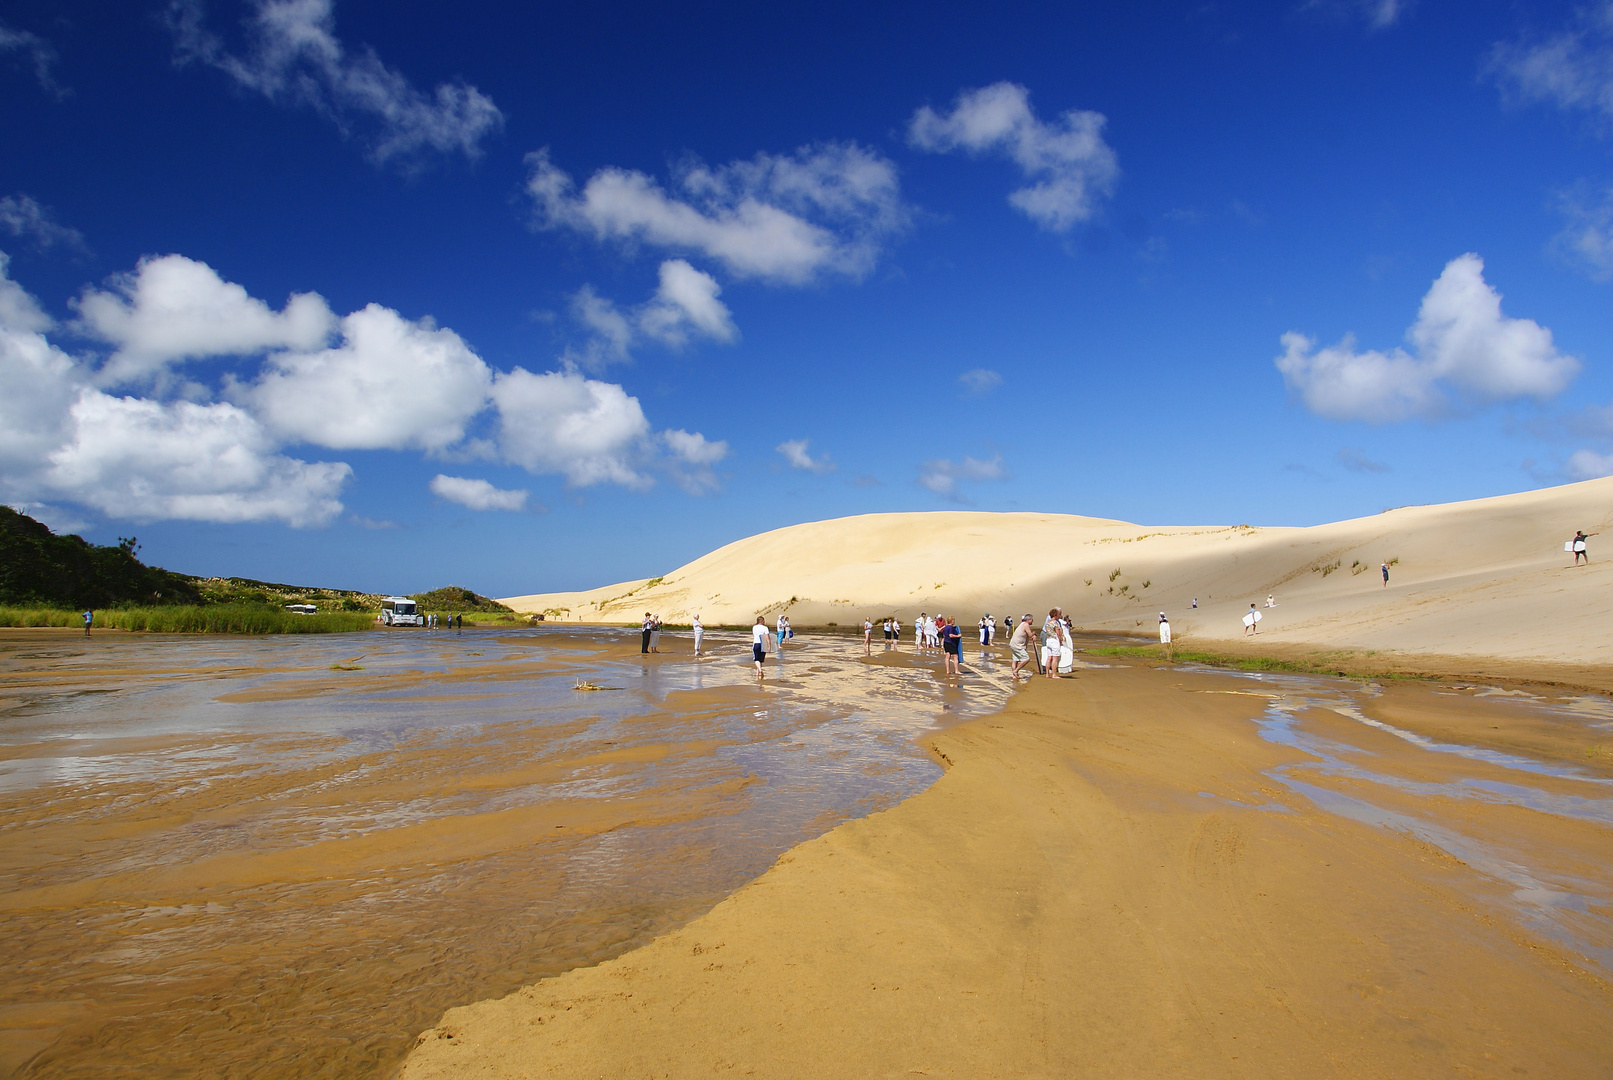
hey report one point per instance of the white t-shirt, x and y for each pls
(758, 636)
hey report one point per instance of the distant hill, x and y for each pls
(40, 568)
(453, 598)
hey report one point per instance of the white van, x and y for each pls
(401, 611)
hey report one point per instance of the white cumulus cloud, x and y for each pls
(685, 304)
(1572, 69)
(693, 456)
(390, 384)
(40, 55)
(694, 448)
(173, 308)
(1589, 465)
(942, 475)
(980, 380)
(686, 301)
(23, 217)
(785, 218)
(385, 383)
(1067, 162)
(38, 384)
(560, 422)
(295, 57)
(1587, 235)
(795, 453)
(1462, 345)
(476, 494)
(137, 459)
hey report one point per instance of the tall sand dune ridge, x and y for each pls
(1487, 577)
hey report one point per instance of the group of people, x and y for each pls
(892, 629)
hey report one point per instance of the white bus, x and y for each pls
(401, 611)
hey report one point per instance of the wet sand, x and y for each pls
(1148, 871)
(219, 857)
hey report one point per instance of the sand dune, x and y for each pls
(1487, 577)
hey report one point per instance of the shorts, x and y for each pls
(887, 635)
(759, 653)
(1020, 653)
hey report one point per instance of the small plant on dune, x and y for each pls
(1087, 580)
(1328, 569)
(1115, 574)
(1147, 583)
(1124, 589)
(1395, 561)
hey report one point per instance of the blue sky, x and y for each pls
(538, 297)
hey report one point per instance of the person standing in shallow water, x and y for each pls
(644, 641)
(868, 635)
(1020, 644)
(758, 644)
(699, 633)
(89, 617)
(951, 635)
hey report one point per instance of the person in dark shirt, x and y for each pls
(952, 644)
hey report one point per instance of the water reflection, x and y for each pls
(1347, 779)
(283, 857)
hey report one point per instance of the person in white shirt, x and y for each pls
(1066, 647)
(758, 643)
(699, 633)
(896, 633)
(780, 624)
(918, 631)
(1164, 629)
(1052, 643)
(868, 635)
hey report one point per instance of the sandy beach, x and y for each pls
(1124, 874)
(1155, 870)
(1486, 578)
(242, 857)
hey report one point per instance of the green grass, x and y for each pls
(1240, 663)
(211, 619)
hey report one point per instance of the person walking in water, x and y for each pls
(1385, 569)
(758, 644)
(896, 632)
(1020, 644)
(644, 642)
(699, 633)
(1580, 552)
(89, 617)
(951, 635)
(868, 635)
(1053, 643)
